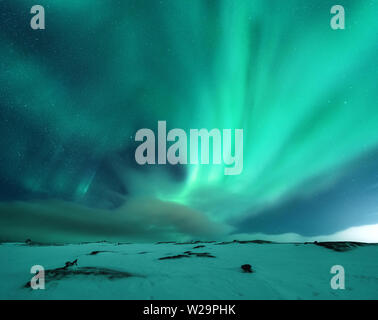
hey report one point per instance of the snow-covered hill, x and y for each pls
(197, 270)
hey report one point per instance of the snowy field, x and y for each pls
(198, 270)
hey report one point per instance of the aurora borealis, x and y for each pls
(72, 97)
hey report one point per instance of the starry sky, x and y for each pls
(72, 97)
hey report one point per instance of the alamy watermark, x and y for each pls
(199, 140)
(338, 280)
(38, 20)
(38, 281)
(338, 18)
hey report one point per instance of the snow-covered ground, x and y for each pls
(135, 271)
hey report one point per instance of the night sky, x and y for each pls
(72, 97)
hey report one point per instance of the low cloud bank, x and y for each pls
(138, 220)
(368, 234)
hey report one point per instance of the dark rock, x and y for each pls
(165, 242)
(341, 246)
(62, 273)
(179, 256)
(247, 268)
(93, 253)
(203, 255)
(188, 242)
(257, 241)
(188, 254)
(199, 254)
(246, 241)
(70, 264)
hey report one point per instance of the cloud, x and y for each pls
(367, 233)
(140, 219)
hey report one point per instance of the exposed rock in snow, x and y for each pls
(171, 271)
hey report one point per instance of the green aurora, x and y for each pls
(73, 96)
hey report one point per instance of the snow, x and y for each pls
(281, 271)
